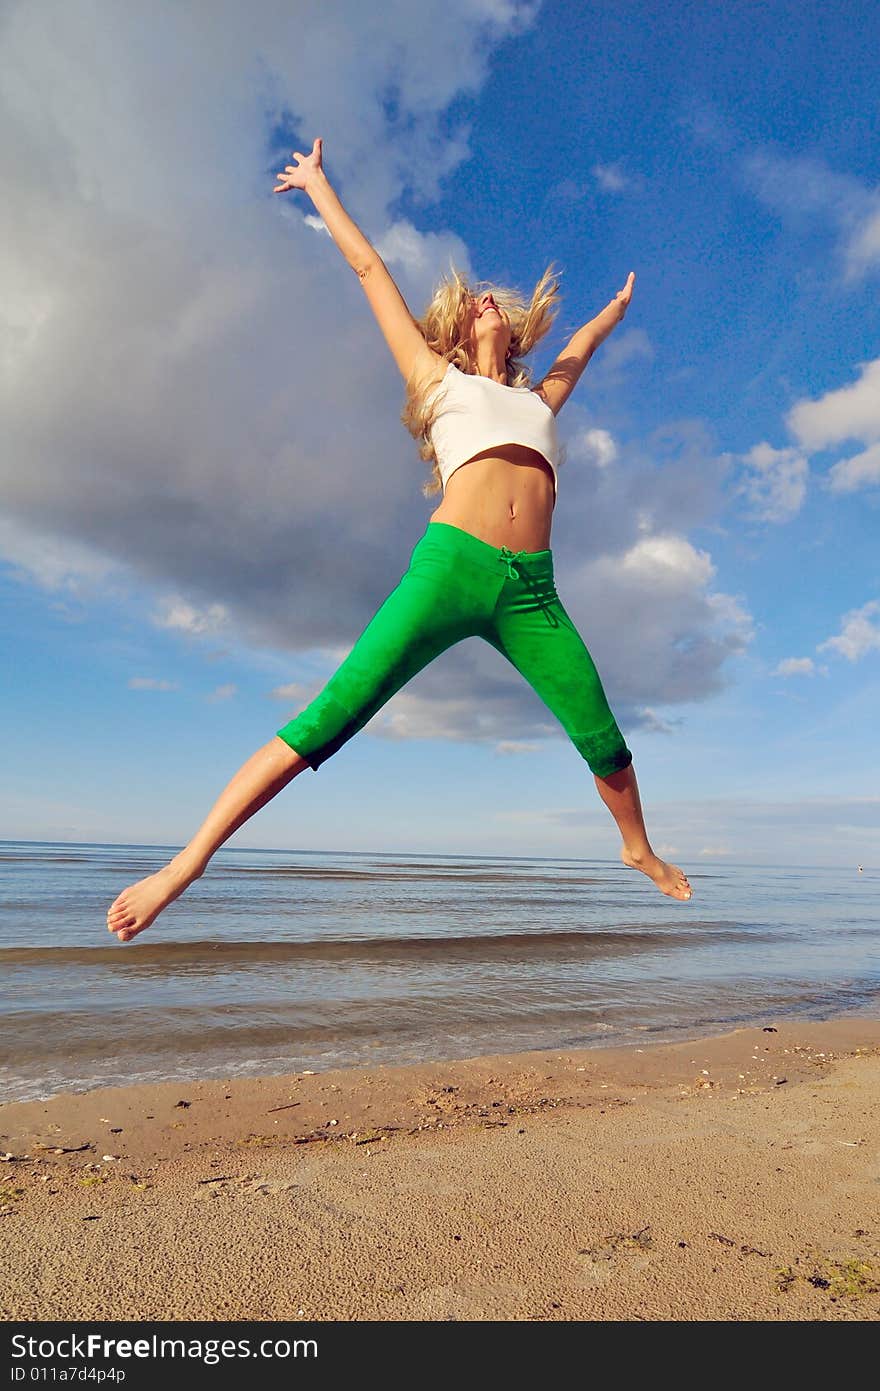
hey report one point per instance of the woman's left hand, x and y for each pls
(624, 296)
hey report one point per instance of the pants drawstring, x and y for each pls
(509, 559)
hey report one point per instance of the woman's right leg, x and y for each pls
(429, 610)
(257, 781)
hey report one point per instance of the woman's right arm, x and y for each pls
(402, 333)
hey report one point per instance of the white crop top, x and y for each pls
(475, 413)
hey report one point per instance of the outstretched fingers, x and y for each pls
(295, 176)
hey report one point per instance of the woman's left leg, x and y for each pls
(620, 793)
(533, 630)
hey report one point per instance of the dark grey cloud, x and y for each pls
(197, 404)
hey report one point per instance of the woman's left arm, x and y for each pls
(564, 375)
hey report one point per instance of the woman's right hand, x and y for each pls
(624, 296)
(298, 175)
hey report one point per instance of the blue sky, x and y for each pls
(207, 492)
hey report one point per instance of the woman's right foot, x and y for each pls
(669, 879)
(140, 904)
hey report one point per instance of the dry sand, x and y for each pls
(735, 1177)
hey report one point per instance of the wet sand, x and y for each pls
(735, 1178)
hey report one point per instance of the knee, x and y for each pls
(605, 751)
(319, 730)
(288, 758)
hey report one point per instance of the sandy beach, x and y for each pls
(734, 1178)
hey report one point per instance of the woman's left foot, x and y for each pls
(140, 904)
(669, 879)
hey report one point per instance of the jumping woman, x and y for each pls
(483, 566)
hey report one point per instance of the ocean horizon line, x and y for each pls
(413, 854)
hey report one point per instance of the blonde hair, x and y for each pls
(442, 327)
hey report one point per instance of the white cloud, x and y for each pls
(176, 613)
(317, 223)
(847, 412)
(775, 483)
(595, 446)
(54, 562)
(515, 746)
(803, 188)
(864, 243)
(668, 562)
(610, 177)
(225, 692)
(728, 611)
(859, 635)
(149, 683)
(625, 347)
(421, 255)
(657, 630)
(859, 471)
(776, 480)
(795, 666)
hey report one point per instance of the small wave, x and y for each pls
(226, 953)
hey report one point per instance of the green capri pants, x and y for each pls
(456, 587)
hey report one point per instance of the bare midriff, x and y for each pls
(504, 496)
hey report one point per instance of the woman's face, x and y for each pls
(488, 322)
